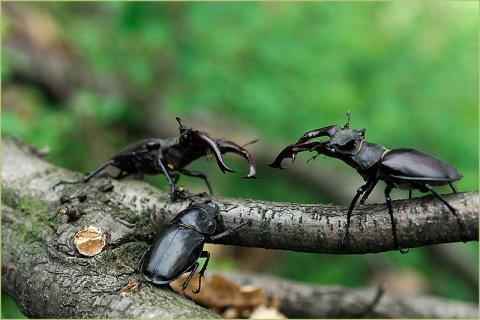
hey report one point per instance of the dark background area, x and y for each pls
(86, 79)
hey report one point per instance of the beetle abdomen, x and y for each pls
(408, 169)
(147, 152)
(172, 253)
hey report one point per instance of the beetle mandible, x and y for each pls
(179, 245)
(401, 168)
(170, 157)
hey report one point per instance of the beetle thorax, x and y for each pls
(369, 155)
(349, 145)
(184, 151)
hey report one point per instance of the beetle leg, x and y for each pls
(454, 189)
(452, 209)
(87, 176)
(329, 131)
(213, 146)
(349, 214)
(206, 255)
(184, 286)
(388, 189)
(174, 176)
(65, 182)
(368, 191)
(94, 173)
(173, 188)
(229, 146)
(292, 150)
(368, 185)
(226, 232)
(165, 172)
(197, 174)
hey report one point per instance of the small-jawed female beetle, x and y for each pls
(179, 245)
(405, 169)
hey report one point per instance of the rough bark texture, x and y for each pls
(298, 300)
(47, 277)
(41, 269)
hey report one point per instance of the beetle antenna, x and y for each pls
(250, 142)
(348, 122)
(182, 127)
(179, 121)
(233, 207)
(183, 193)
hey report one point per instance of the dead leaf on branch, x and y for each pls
(229, 299)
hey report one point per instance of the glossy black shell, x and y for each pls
(411, 169)
(179, 244)
(173, 253)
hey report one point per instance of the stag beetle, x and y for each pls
(401, 168)
(179, 245)
(154, 156)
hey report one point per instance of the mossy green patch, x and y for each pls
(31, 235)
(9, 198)
(36, 210)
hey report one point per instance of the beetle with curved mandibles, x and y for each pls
(170, 157)
(406, 169)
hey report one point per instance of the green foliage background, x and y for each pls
(408, 71)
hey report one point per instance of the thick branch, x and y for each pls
(40, 264)
(42, 271)
(273, 225)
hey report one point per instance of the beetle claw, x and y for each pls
(213, 146)
(292, 150)
(312, 158)
(229, 146)
(329, 131)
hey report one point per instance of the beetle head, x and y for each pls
(185, 132)
(211, 211)
(200, 217)
(345, 142)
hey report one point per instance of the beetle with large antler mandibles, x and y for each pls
(401, 168)
(170, 157)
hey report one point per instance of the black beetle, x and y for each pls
(179, 245)
(405, 169)
(155, 156)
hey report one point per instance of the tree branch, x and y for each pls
(40, 264)
(297, 300)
